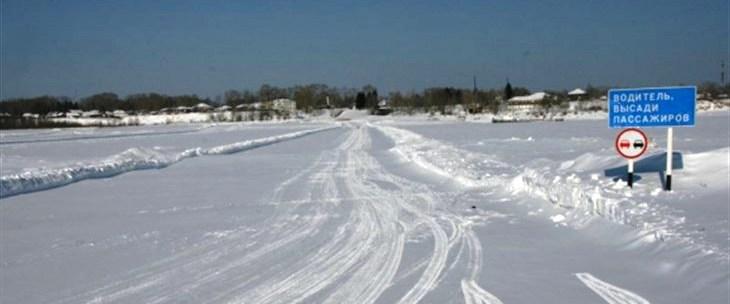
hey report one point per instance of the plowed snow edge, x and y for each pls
(130, 160)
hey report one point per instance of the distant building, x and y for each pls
(243, 107)
(284, 105)
(383, 108)
(91, 114)
(182, 109)
(593, 105)
(576, 94)
(55, 115)
(456, 109)
(526, 104)
(119, 114)
(74, 113)
(223, 108)
(203, 107)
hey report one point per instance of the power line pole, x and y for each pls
(475, 93)
(722, 73)
(475, 83)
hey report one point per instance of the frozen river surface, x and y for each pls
(367, 211)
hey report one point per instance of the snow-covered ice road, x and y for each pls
(330, 217)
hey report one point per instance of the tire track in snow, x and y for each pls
(278, 288)
(377, 272)
(356, 261)
(277, 238)
(409, 194)
(612, 294)
(366, 249)
(473, 294)
(419, 203)
(462, 231)
(206, 262)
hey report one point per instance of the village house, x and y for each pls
(577, 94)
(203, 107)
(526, 104)
(594, 105)
(74, 113)
(284, 105)
(223, 108)
(92, 114)
(383, 108)
(183, 109)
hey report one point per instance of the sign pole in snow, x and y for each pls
(668, 180)
(631, 173)
(653, 107)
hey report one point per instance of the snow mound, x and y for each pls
(468, 168)
(639, 207)
(352, 115)
(130, 160)
(575, 187)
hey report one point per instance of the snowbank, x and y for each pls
(581, 194)
(129, 160)
(352, 114)
(469, 169)
(157, 119)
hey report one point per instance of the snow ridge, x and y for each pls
(469, 169)
(610, 201)
(130, 160)
(97, 136)
(582, 199)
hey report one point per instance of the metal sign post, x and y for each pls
(668, 180)
(653, 107)
(631, 173)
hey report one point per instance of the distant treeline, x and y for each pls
(308, 98)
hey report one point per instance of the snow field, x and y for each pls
(375, 212)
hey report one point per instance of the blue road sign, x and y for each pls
(652, 107)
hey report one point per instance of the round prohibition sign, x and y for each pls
(631, 143)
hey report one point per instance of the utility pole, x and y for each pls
(722, 73)
(475, 94)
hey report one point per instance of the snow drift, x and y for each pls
(573, 186)
(130, 160)
(469, 169)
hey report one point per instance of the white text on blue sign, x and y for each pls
(651, 107)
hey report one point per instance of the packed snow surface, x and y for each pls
(370, 210)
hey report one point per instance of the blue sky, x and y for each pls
(76, 48)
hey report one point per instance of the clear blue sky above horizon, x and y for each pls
(77, 48)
